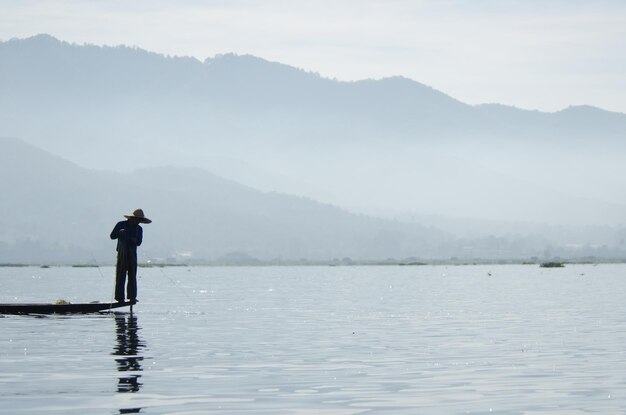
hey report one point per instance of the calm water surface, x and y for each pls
(321, 340)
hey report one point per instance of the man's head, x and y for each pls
(133, 221)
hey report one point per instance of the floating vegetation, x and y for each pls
(84, 266)
(61, 302)
(552, 265)
(159, 265)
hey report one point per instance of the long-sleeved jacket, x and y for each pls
(128, 240)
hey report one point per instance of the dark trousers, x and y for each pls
(126, 264)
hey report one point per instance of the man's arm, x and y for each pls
(115, 233)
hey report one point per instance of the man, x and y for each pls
(129, 236)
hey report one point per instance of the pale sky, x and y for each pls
(534, 54)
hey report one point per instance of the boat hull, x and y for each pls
(60, 308)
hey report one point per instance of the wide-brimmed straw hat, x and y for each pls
(138, 214)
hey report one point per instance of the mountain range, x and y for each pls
(391, 148)
(54, 211)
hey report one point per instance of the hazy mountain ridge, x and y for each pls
(42, 64)
(44, 67)
(54, 210)
(390, 145)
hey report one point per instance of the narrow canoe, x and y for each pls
(60, 308)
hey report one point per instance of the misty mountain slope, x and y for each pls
(54, 210)
(43, 64)
(575, 125)
(449, 184)
(130, 87)
(292, 131)
(41, 71)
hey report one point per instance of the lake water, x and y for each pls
(321, 340)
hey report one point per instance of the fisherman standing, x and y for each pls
(129, 236)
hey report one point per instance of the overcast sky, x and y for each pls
(535, 54)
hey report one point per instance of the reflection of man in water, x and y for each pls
(127, 351)
(129, 236)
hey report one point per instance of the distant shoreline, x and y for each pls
(339, 263)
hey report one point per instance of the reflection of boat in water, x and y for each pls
(128, 357)
(61, 308)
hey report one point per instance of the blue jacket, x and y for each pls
(125, 241)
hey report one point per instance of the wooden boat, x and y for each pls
(60, 308)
